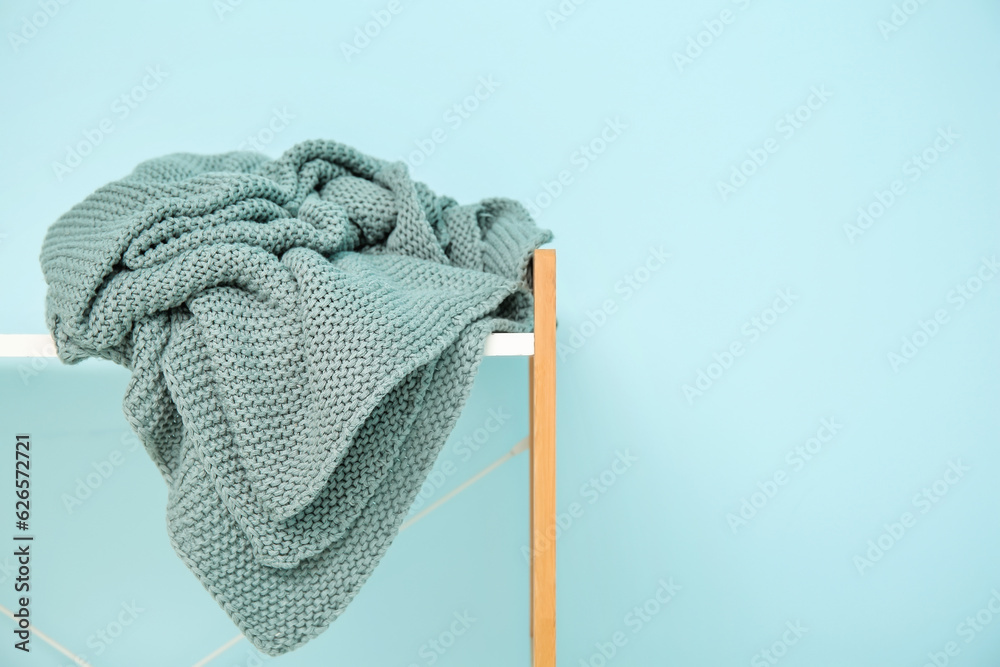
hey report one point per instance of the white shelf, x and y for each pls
(510, 345)
(27, 345)
(42, 345)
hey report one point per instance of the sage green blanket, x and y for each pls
(302, 334)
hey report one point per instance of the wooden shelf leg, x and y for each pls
(542, 398)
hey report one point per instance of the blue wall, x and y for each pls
(778, 308)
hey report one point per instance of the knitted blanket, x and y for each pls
(302, 334)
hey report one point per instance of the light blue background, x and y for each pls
(621, 379)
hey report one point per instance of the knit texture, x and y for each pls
(302, 335)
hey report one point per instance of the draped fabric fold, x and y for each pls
(302, 335)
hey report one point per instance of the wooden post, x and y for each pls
(542, 414)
